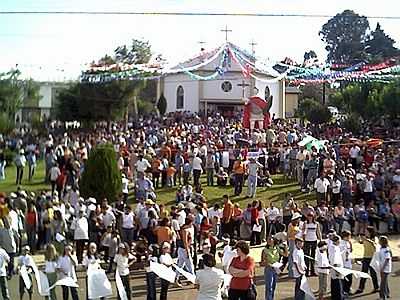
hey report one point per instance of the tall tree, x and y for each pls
(112, 99)
(15, 92)
(345, 35)
(380, 46)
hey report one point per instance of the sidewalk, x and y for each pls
(255, 252)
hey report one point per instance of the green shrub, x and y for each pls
(9, 156)
(101, 177)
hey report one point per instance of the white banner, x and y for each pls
(98, 284)
(25, 276)
(305, 287)
(189, 276)
(120, 287)
(67, 281)
(41, 281)
(163, 271)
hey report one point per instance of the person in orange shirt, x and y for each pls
(155, 171)
(238, 170)
(227, 215)
(237, 219)
(170, 175)
(163, 232)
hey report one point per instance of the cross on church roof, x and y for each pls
(226, 30)
(252, 44)
(243, 85)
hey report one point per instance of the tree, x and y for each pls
(112, 99)
(362, 99)
(101, 177)
(391, 99)
(345, 35)
(162, 105)
(15, 92)
(310, 58)
(379, 46)
(313, 111)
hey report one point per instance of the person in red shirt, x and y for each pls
(242, 271)
(255, 238)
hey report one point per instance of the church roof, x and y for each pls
(239, 55)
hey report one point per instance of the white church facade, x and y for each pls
(221, 80)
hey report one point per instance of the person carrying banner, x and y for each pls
(66, 268)
(299, 268)
(122, 261)
(91, 259)
(50, 266)
(24, 268)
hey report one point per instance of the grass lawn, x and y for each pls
(214, 194)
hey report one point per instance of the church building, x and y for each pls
(221, 80)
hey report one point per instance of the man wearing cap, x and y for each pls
(299, 268)
(27, 261)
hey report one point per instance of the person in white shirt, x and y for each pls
(336, 260)
(336, 189)
(80, 226)
(66, 268)
(321, 186)
(128, 225)
(209, 280)
(273, 214)
(322, 267)
(50, 268)
(25, 260)
(54, 174)
(142, 164)
(385, 263)
(346, 248)
(299, 268)
(4, 260)
(91, 260)
(124, 259)
(197, 170)
(354, 153)
(165, 259)
(125, 187)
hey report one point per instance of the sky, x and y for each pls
(58, 47)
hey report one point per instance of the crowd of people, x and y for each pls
(356, 184)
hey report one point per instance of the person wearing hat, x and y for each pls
(166, 260)
(124, 259)
(293, 232)
(336, 260)
(20, 162)
(299, 267)
(27, 261)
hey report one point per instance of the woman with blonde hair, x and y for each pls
(50, 265)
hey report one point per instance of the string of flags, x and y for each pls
(250, 67)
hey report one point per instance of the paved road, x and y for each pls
(285, 288)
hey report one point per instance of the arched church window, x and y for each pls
(180, 95)
(226, 86)
(267, 92)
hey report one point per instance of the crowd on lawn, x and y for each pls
(356, 185)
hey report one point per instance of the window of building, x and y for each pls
(180, 94)
(267, 92)
(226, 86)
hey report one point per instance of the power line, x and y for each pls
(209, 14)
